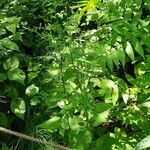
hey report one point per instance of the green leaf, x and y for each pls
(72, 29)
(17, 37)
(70, 86)
(81, 140)
(2, 77)
(115, 94)
(145, 143)
(16, 75)
(34, 101)
(99, 118)
(101, 107)
(64, 122)
(146, 104)
(11, 63)
(144, 23)
(110, 91)
(18, 107)
(105, 142)
(145, 80)
(32, 90)
(11, 28)
(13, 20)
(13, 92)
(110, 62)
(129, 51)
(34, 66)
(121, 56)
(32, 75)
(74, 123)
(107, 84)
(125, 96)
(51, 124)
(139, 49)
(115, 58)
(11, 46)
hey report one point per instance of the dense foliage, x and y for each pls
(75, 72)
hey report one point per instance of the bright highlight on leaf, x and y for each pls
(110, 91)
(145, 143)
(87, 5)
(32, 90)
(91, 5)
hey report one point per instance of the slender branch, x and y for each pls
(30, 138)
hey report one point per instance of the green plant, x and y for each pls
(76, 72)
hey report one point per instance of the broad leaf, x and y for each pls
(104, 143)
(145, 143)
(12, 28)
(18, 107)
(51, 124)
(32, 75)
(110, 91)
(99, 118)
(32, 90)
(101, 107)
(16, 75)
(146, 104)
(11, 63)
(74, 123)
(11, 46)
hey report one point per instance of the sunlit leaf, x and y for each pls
(11, 63)
(115, 94)
(99, 118)
(18, 107)
(32, 90)
(16, 75)
(110, 91)
(74, 123)
(12, 28)
(145, 143)
(146, 104)
(51, 124)
(32, 75)
(129, 51)
(10, 45)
